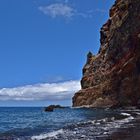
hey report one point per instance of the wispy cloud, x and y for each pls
(64, 10)
(58, 9)
(44, 91)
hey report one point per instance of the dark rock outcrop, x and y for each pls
(112, 77)
(51, 108)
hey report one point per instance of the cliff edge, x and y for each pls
(112, 77)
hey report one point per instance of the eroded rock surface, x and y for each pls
(112, 77)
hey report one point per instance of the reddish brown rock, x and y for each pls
(112, 77)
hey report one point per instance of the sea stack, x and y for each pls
(112, 77)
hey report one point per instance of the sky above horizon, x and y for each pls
(43, 47)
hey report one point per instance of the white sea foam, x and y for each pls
(119, 123)
(138, 113)
(107, 125)
(125, 114)
(126, 119)
(47, 135)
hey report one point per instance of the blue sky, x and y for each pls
(46, 42)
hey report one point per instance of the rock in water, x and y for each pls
(112, 77)
(51, 108)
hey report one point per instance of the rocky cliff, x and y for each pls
(112, 77)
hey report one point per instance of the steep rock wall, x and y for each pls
(112, 77)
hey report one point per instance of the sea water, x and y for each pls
(32, 123)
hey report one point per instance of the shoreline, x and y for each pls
(130, 133)
(127, 128)
(103, 124)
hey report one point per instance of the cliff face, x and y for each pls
(112, 77)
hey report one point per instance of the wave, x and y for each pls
(47, 135)
(125, 114)
(88, 129)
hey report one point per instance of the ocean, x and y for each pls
(32, 123)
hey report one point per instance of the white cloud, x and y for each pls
(64, 10)
(58, 9)
(44, 91)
